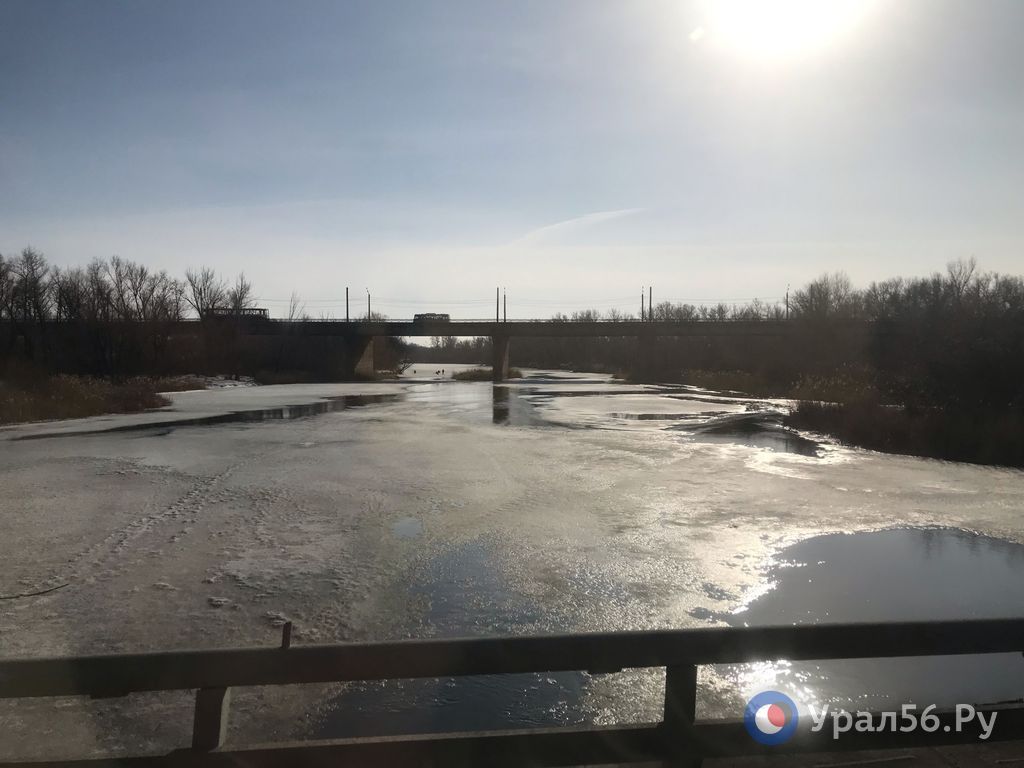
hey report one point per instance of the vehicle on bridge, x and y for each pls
(261, 313)
(431, 317)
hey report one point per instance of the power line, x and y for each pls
(628, 301)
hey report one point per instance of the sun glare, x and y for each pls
(767, 29)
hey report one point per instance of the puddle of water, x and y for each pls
(892, 575)
(407, 527)
(466, 596)
(278, 413)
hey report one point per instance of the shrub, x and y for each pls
(72, 397)
(483, 374)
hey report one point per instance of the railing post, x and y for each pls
(678, 732)
(210, 725)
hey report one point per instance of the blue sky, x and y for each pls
(572, 151)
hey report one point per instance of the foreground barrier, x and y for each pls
(678, 739)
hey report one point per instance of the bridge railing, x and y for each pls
(254, 316)
(678, 738)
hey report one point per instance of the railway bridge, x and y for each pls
(359, 336)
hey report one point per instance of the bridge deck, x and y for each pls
(524, 328)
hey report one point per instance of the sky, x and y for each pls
(573, 152)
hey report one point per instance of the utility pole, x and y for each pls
(641, 304)
(346, 303)
(497, 304)
(650, 303)
(504, 306)
(787, 301)
(367, 305)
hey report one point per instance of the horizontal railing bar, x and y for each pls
(539, 747)
(124, 673)
(554, 746)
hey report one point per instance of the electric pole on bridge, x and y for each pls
(650, 303)
(504, 306)
(641, 303)
(367, 305)
(346, 303)
(497, 304)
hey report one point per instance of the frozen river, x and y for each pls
(427, 507)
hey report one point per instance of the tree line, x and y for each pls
(115, 289)
(953, 338)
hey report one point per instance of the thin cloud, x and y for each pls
(570, 226)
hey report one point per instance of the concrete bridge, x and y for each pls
(359, 335)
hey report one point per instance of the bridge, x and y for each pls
(359, 335)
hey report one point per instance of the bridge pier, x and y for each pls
(360, 353)
(499, 364)
(646, 357)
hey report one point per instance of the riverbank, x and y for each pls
(848, 408)
(46, 398)
(987, 437)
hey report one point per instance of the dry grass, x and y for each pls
(73, 397)
(171, 383)
(733, 381)
(483, 374)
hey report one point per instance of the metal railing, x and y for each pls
(678, 739)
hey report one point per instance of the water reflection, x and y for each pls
(499, 406)
(464, 594)
(251, 415)
(892, 575)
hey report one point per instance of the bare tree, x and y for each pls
(6, 288)
(204, 291)
(239, 296)
(31, 296)
(718, 312)
(119, 289)
(142, 288)
(98, 301)
(827, 296)
(666, 310)
(169, 298)
(960, 274)
(70, 291)
(617, 315)
(296, 307)
(884, 298)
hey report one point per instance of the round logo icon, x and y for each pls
(771, 718)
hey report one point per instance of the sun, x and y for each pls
(775, 29)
